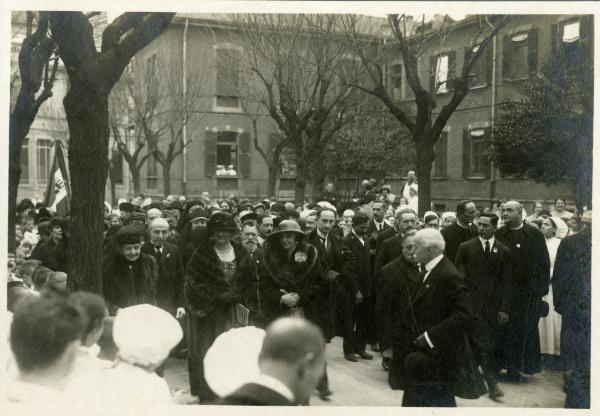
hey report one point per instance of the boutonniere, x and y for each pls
(168, 255)
(495, 250)
(518, 245)
(300, 257)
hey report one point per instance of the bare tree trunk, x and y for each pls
(424, 164)
(135, 179)
(272, 181)
(88, 165)
(318, 177)
(113, 192)
(300, 185)
(17, 132)
(167, 178)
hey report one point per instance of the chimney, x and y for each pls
(438, 21)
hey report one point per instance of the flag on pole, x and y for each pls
(58, 192)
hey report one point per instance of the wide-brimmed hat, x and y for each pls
(221, 221)
(287, 226)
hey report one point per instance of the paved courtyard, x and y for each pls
(365, 384)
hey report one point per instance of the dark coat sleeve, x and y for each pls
(315, 286)
(460, 317)
(505, 276)
(564, 267)
(541, 283)
(179, 276)
(462, 258)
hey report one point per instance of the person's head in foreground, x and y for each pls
(45, 335)
(144, 335)
(429, 243)
(293, 352)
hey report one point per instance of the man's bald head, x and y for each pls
(289, 340)
(512, 213)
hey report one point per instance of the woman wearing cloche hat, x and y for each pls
(293, 279)
(210, 294)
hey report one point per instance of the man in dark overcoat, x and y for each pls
(171, 273)
(530, 264)
(331, 256)
(404, 269)
(572, 290)
(357, 302)
(485, 264)
(429, 323)
(462, 230)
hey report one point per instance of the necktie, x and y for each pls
(423, 272)
(487, 247)
(324, 241)
(380, 227)
(158, 253)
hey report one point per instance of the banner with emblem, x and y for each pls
(58, 191)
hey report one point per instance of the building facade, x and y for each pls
(518, 52)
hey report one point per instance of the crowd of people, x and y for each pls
(435, 297)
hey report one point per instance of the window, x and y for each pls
(441, 75)
(44, 161)
(117, 166)
(441, 156)
(572, 39)
(520, 55)
(475, 163)
(228, 78)
(396, 81)
(481, 71)
(227, 154)
(442, 67)
(288, 162)
(151, 173)
(25, 161)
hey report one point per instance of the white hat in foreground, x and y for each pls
(232, 360)
(145, 334)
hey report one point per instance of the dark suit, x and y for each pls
(358, 317)
(571, 287)
(530, 266)
(374, 234)
(391, 278)
(440, 307)
(171, 276)
(252, 394)
(487, 276)
(454, 236)
(389, 250)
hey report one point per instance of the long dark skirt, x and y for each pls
(201, 333)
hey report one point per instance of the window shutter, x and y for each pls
(451, 70)
(210, 154)
(432, 73)
(234, 72)
(488, 57)
(506, 51)
(488, 163)
(532, 52)
(245, 150)
(554, 39)
(466, 154)
(221, 72)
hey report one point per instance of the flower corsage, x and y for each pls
(300, 257)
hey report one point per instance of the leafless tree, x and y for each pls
(92, 75)
(38, 63)
(297, 62)
(411, 45)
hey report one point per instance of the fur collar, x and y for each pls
(290, 272)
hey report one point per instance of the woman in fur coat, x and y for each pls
(128, 275)
(294, 282)
(211, 295)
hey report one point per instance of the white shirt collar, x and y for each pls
(275, 385)
(431, 265)
(491, 240)
(359, 237)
